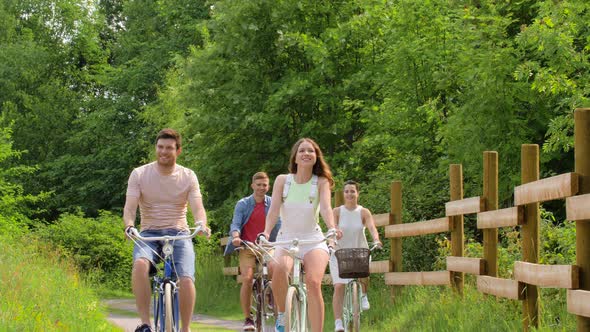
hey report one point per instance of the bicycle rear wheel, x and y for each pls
(293, 314)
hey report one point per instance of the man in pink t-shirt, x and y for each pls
(162, 189)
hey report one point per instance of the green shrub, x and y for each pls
(97, 245)
(557, 246)
(14, 203)
(558, 240)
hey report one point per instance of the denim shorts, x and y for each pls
(183, 257)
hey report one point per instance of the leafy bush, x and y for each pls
(558, 240)
(558, 245)
(96, 245)
(14, 203)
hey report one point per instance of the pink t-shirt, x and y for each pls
(163, 198)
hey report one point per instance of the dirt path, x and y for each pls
(120, 307)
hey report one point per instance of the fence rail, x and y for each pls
(572, 187)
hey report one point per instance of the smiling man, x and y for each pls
(248, 221)
(162, 189)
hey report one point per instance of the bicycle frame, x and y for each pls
(296, 299)
(298, 284)
(166, 309)
(160, 284)
(351, 308)
(260, 287)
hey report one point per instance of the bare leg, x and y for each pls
(338, 300)
(186, 296)
(246, 290)
(365, 284)
(280, 278)
(318, 259)
(140, 284)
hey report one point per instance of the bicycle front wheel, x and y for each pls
(168, 312)
(269, 313)
(257, 304)
(293, 314)
(157, 307)
(352, 310)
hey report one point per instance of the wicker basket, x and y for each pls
(353, 262)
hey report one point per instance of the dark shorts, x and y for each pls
(183, 257)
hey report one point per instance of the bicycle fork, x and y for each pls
(159, 298)
(302, 292)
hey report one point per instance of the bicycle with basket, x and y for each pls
(353, 263)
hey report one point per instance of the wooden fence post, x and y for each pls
(338, 198)
(395, 218)
(530, 234)
(457, 236)
(490, 194)
(582, 157)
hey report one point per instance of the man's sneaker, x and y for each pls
(338, 326)
(249, 325)
(365, 302)
(143, 328)
(280, 322)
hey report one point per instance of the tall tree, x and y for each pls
(121, 60)
(270, 73)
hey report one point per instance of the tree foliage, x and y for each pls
(391, 90)
(15, 204)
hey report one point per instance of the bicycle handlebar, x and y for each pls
(375, 245)
(133, 232)
(297, 242)
(258, 250)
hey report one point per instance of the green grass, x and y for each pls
(217, 295)
(108, 293)
(429, 308)
(437, 308)
(40, 290)
(208, 328)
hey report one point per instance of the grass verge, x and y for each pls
(438, 308)
(40, 290)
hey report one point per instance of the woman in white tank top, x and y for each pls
(298, 203)
(351, 219)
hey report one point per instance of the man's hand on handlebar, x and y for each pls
(236, 241)
(129, 232)
(204, 231)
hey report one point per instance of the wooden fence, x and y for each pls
(528, 274)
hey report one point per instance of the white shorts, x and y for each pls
(303, 249)
(334, 272)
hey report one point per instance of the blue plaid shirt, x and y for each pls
(242, 213)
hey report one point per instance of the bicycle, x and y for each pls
(353, 263)
(296, 300)
(262, 307)
(165, 291)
